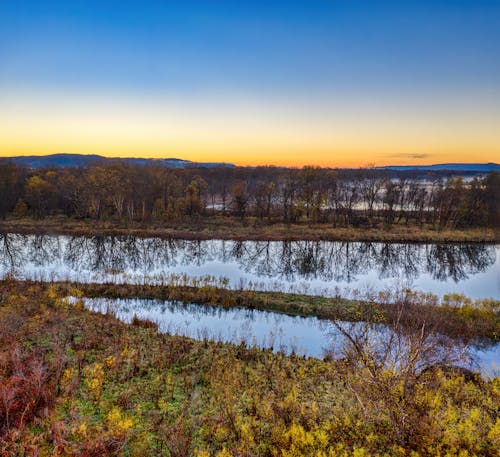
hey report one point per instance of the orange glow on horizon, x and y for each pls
(331, 133)
(289, 159)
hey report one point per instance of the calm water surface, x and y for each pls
(307, 336)
(301, 266)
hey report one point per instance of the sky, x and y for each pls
(263, 82)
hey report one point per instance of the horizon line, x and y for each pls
(361, 166)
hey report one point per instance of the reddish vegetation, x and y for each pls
(25, 388)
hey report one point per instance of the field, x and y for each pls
(227, 227)
(79, 383)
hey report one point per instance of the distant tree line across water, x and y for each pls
(341, 198)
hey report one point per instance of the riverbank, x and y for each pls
(229, 228)
(87, 384)
(457, 316)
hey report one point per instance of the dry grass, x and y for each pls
(220, 227)
(82, 384)
(466, 321)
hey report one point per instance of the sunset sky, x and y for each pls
(326, 82)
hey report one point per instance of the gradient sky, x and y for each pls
(334, 83)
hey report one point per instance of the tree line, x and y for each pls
(342, 198)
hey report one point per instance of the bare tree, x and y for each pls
(388, 358)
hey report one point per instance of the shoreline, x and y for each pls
(466, 321)
(87, 379)
(231, 229)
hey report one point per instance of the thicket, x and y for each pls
(77, 383)
(341, 198)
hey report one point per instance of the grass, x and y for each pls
(459, 317)
(219, 227)
(77, 383)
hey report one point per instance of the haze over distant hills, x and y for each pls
(82, 160)
(477, 167)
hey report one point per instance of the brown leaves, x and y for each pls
(24, 389)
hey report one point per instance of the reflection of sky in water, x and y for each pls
(308, 336)
(304, 267)
(480, 285)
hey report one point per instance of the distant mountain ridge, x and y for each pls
(476, 167)
(82, 160)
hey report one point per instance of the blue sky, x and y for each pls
(250, 46)
(290, 50)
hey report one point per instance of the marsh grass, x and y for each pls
(110, 388)
(226, 227)
(459, 316)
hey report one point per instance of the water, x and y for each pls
(308, 336)
(312, 267)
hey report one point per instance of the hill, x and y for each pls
(82, 160)
(460, 167)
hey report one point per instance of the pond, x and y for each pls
(308, 336)
(311, 267)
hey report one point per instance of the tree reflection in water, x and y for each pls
(287, 261)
